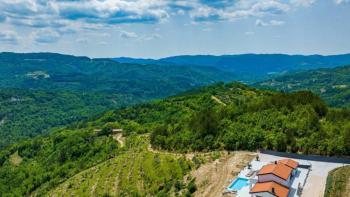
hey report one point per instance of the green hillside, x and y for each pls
(137, 172)
(39, 91)
(84, 162)
(222, 116)
(333, 85)
(27, 113)
(235, 116)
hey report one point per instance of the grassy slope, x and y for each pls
(338, 182)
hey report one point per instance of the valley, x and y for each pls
(174, 98)
(187, 132)
(58, 126)
(43, 91)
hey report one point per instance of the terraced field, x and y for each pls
(137, 172)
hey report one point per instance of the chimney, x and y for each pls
(273, 190)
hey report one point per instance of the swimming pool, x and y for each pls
(238, 184)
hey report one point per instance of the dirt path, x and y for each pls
(218, 100)
(187, 155)
(213, 177)
(119, 138)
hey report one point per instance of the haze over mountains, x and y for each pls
(250, 67)
(64, 72)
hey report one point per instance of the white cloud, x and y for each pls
(303, 3)
(71, 16)
(45, 36)
(341, 1)
(270, 7)
(240, 9)
(9, 37)
(262, 23)
(128, 35)
(152, 37)
(61, 13)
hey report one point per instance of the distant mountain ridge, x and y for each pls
(251, 67)
(64, 72)
(53, 90)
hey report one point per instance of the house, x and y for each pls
(275, 179)
(290, 163)
(276, 172)
(269, 189)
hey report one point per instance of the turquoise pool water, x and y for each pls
(238, 184)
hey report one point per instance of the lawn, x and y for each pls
(338, 182)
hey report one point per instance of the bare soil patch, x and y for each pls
(213, 177)
(15, 159)
(218, 100)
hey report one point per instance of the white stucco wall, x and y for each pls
(263, 194)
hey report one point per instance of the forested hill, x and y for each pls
(333, 85)
(222, 116)
(28, 113)
(39, 91)
(251, 67)
(51, 71)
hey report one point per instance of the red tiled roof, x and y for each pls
(279, 170)
(271, 187)
(289, 162)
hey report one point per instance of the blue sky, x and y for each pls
(160, 28)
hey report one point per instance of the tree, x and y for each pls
(205, 122)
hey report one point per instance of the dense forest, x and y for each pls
(222, 116)
(236, 117)
(28, 113)
(49, 71)
(333, 85)
(39, 91)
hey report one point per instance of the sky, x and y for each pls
(161, 28)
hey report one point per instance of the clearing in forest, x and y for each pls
(213, 177)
